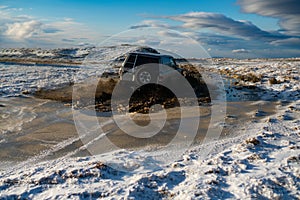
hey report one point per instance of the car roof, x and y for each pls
(150, 54)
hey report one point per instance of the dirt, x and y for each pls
(98, 94)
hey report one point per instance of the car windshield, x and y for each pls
(141, 60)
(169, 61)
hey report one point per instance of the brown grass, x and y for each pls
(273, 80)
(250, 78)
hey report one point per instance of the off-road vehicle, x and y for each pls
(144, 68)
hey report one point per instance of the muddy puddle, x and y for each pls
(45, 129)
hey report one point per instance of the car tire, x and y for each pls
(146, 74)
(144, 77)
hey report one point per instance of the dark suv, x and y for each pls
(144, 68)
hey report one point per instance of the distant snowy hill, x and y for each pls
(67, 55)
(42, 53)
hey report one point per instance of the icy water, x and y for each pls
(30, 126)
(44, 129)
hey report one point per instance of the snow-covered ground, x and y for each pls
(278, 79)
(18, 79)
(262, 161)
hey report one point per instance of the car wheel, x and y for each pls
(144, 77)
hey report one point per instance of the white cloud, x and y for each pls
(223, 24)
(17, 29)
(150, 23)
(288, 12)
(238, 37)
(23, 30)
(240, 51)
(171, 34)
(3, 7)
(287, 42)
(68, 19)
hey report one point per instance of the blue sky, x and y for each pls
(231, 28)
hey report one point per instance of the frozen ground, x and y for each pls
(277, 79)
(18, 79)
(262, 162)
